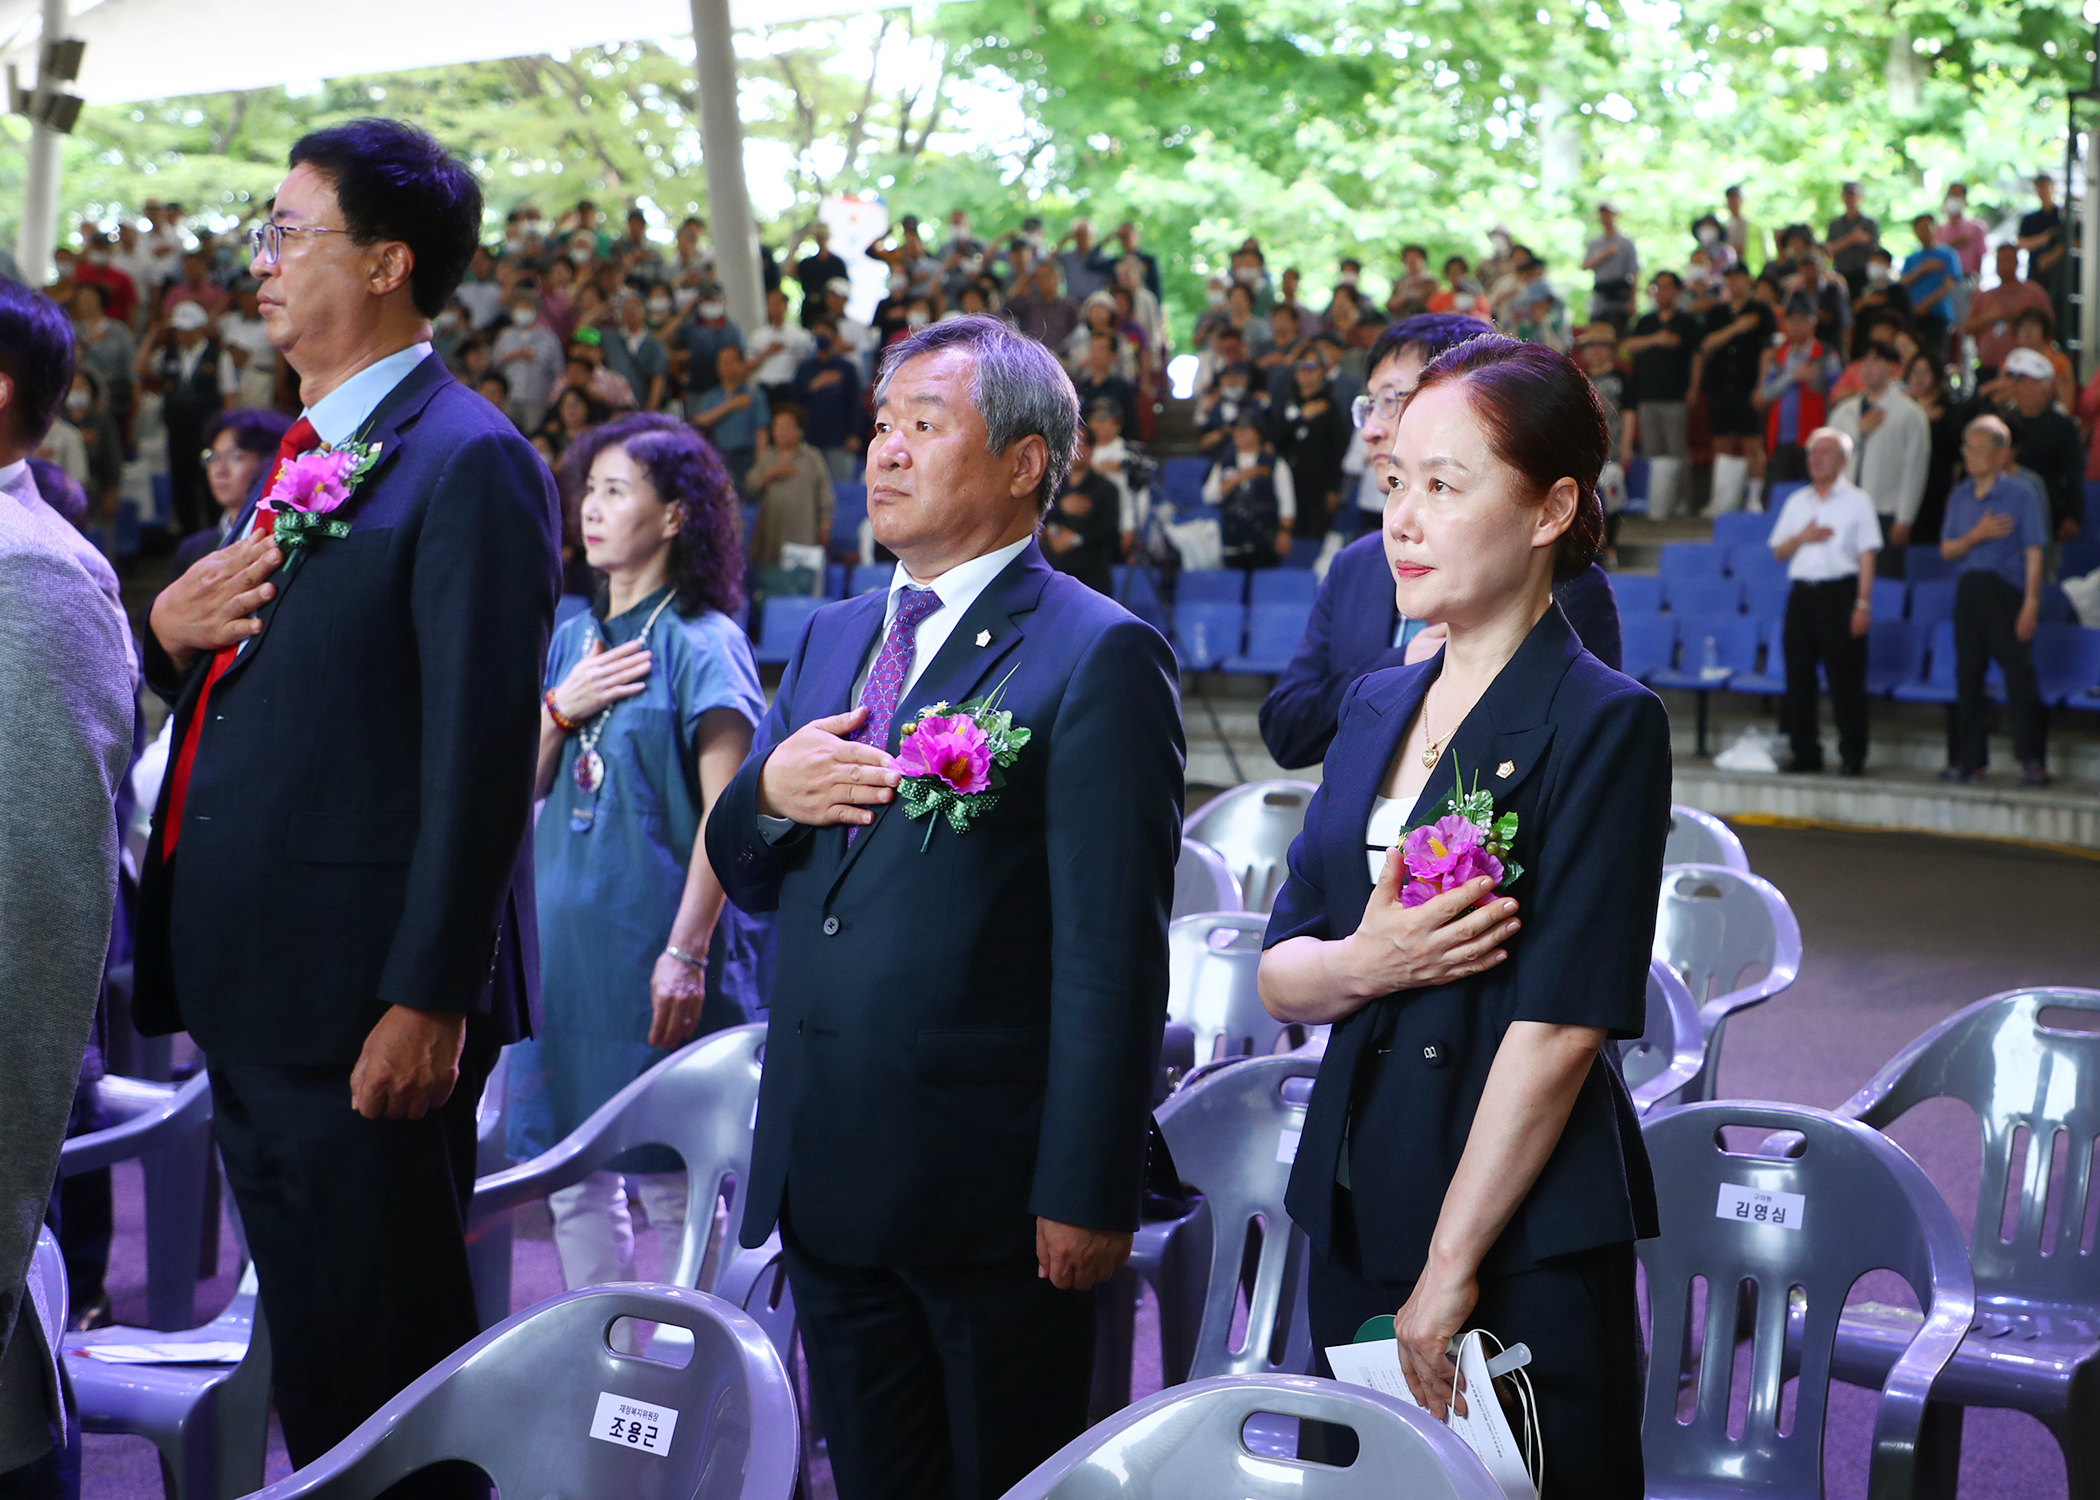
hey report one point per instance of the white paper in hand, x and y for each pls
(1483, 1428)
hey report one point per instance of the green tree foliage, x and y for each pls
(1321, 127)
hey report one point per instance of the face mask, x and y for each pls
(581, 256)
(514, 235)
(659, 308)
(1235, 393)
(1500, 242)
(899, 283)
(1033, 239)
(523, 317)
(1698, 276)
(710, 310)
(448, 320)
(915, 320)
(684, 297)
(1214, 297)
(1953, 207)
(78, 402)
(1347, 278)
(1244, 275)
(1877, 272)
(1708, 234)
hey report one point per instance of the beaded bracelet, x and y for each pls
(562, 721)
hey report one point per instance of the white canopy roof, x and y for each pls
(151, 49)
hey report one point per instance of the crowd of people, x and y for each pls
(951, 1136)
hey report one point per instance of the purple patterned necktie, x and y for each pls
(892, 665)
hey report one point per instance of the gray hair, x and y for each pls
(2001, 435)
(1017, 386)
(1831, 435)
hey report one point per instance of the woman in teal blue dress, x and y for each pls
(652, 696)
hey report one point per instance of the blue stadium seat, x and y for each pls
(1764, 597)
(2092, 498)
(849, 509)
(1895, 655)
(1937, 683)
(1931, 601)
(2081, 554)
(1769, 680)
(163, 502)
(2066, 661)
(1302, 558)
(1276, 586)
(780, 626)
(1695, 581)
(1735, 640)
(834, 580)
(1205, 634)
(2056, 606)
(1748, 560)
(1273, 633)
(1776, 493)
(868, 578)
(1637, 593)
(1637, 483)
(1181, 479)
(1647, 643)
(1892, 596)
(1741, 528)
(124, 537)
(1925, 565)
(1212, 586)
(1134, 586)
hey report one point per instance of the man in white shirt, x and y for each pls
(777, 349)
(1891, 447)
(1827, 535)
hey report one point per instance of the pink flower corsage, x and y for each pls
(951, 761)
(310, 487)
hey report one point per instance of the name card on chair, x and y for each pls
(1287, 1146)
(633, 1424)
(1747, 1205)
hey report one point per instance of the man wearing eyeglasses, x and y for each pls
(337, 900)
(1355, 626)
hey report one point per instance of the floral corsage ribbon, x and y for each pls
(310, 487)
(1461, 840)
(952, 761)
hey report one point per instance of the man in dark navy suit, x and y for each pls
(1355, 627)
(951, 1128)
(337, 897)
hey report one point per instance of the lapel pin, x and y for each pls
(1506, 770)
(984, 637)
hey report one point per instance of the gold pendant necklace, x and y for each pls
(1433, 748)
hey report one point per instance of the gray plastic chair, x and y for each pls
(529, 1403)
(1213, 960)
(1699, 838)
(1669, 1054)
(2035, 1344)
(1253, 825)
(1203, 881)
(1188, 1443)
(1867, 1207)
(490, 1240)
(1228, 1128)
(1712, 925)
(210, 1422)
(701, 1102)
(166, 1128)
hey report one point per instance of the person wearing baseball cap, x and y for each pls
(2046, 439)
(183, 360)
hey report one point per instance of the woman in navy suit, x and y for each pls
(1470, 1157)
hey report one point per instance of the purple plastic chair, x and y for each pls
(1712, 926)
(1189, 1441)
(1791, 1226)
(166, 1128)
(1203, 882)
(1669, 1054)
(1213, 968)
(2035, 1090)
(535, 1401)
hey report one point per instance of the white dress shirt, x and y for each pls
(1849, 514)
(958, 589)
(1891, 462)
(337, 416)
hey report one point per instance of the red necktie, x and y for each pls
(301, 438)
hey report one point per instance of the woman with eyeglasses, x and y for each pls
(237, 444)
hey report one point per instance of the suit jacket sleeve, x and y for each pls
(482, 595)
(1114, 794)
(1583, 957)
(62, 667)
(1593, 611)
(1298, 717)
(749, 866)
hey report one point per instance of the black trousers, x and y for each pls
(940, 1383)
(1890, 562)
(1986, 608)
(358, 1228)
(1819, 629)
(1580, 1317)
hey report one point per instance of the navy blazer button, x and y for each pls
(831, 926)
(1429, 1054)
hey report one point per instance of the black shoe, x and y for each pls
(1799, 767)
(2034, 773)
(1961, 773)
(96, 1314)
(1852, 768)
